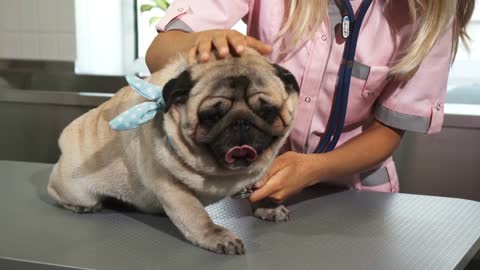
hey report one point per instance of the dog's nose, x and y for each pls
(241, 125)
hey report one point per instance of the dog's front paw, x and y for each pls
(220, 240)
(279, 213)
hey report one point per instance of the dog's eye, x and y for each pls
(211, 116)
(267, 111)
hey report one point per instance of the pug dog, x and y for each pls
(223, 123)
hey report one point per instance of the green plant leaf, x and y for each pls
(145, 7)
(153, 20)
(162, 4)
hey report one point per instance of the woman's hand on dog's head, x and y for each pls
(223, 43)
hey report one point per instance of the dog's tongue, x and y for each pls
(244, 152)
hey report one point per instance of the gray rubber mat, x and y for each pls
(342, 230)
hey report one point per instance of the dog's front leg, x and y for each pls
(191, 218)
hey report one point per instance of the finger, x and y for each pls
(205, 49)
(258, 45)
(277, 165)
(221, 44)
(278, 197)
(237, 41)
(270, 187)
(192, 56)
(264, 180)
(267, 176)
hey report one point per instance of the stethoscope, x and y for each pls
(351, 24)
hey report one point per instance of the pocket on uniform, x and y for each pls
(375, 82)
(370, 80)
(382, 179)
(366, 85)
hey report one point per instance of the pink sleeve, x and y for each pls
(201, 15)
(418, 104)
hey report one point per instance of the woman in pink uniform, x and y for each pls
(398, 83)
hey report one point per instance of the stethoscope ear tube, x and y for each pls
(336, 120)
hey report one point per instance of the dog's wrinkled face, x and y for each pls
(234, 113)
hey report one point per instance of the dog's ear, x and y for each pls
(287, 78)
(178, 89)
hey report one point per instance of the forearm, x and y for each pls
(167, 45)
(357, 155)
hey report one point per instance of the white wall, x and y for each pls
(37, 29)
(445, 164)
(97, 35)
(105, 36)
(465, 68)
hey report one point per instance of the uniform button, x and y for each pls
(324, 38)
(180, 9)
(308, 99)
(370, 94)
(438, 107)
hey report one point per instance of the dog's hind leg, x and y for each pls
(73, 194)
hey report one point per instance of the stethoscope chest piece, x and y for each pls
(246, 192)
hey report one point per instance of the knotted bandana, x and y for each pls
(143, 112)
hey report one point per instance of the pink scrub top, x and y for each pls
(413, 105)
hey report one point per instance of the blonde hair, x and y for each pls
(429, 18)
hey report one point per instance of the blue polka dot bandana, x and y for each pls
(143, 112)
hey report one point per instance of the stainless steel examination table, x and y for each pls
(336, 230)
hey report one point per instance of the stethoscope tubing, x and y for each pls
(336, 120)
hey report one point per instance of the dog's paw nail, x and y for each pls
(221, 240)
(220, 248)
